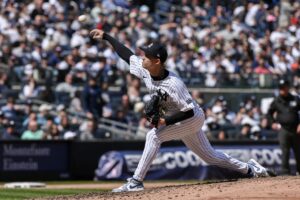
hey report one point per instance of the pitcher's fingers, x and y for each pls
(97, 37)
(93, 32)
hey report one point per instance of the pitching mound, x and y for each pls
(286, 187)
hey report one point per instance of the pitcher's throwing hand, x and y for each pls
(97, 34)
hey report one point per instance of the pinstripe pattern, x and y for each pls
(179, 97)
(199, 144)
(188, 130)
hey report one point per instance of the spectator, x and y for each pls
(52, 133)
(199, 97)
(261, 68)
(65, 90)
(32, 116)
(222, 135)
(47, 126)
(64, 124)
(285, 10)
(3, 121)
(143, 127)
(33, 132)
(240, 114)
(245, 133)
(255, 133)
(64, 67)
(122, 117)
(79, 70)
(92, 98)
(89, 132)
(3, 86)
(134, 91)
(76, 105)
(30, 89)
(43, 114)
(10, 132)
(9, 110)
(28, 107)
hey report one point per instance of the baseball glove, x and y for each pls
(152, 110)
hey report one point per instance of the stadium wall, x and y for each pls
(67, 160)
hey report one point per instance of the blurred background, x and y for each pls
(56, 83)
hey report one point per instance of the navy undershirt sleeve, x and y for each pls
(180, 116)
(121, 49)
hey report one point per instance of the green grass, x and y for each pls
(17, 194)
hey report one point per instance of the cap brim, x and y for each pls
(143, 48)
(147, 52)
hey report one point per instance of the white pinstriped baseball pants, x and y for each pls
(189, 131)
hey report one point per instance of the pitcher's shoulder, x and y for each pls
(176, 78)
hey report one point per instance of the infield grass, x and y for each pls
(18, 194)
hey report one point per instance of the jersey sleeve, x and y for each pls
(135, 66)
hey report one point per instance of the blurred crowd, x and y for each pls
(46, 54)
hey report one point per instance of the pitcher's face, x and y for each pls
(151, 64)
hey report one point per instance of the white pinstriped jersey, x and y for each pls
(178, 97)
(188, 130)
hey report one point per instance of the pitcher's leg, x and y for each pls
(155, 137)
(151, 148)
(199, 144)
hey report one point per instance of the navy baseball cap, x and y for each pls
(283, 83)
(10, 123)
(156, 50)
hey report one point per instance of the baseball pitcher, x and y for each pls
(173, 112)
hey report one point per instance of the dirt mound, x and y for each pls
(285, 187)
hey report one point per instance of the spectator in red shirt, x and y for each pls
(261, 68)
